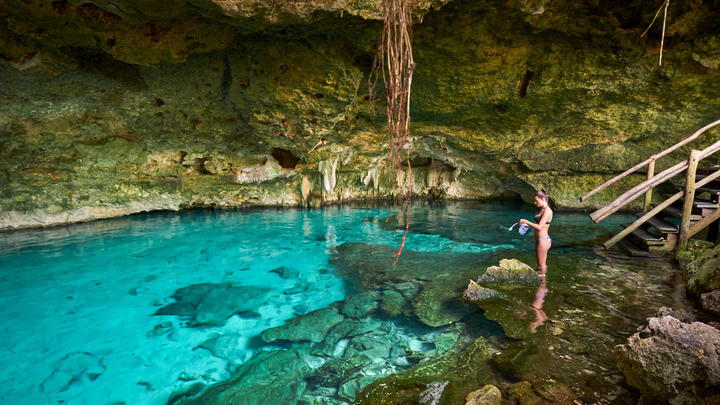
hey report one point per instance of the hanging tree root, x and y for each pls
(394, 62)
(664, 5)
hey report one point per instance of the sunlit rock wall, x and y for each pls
(110, 108)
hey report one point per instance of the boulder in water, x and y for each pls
(475, 292)
(711, 301)
(510, 271)
(668, 360)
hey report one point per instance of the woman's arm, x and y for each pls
(542, 224)
(533, 225)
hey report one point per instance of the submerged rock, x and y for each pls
(487, 395)
(462, 368)
(671, 360)
(522, 392)
(392, 302)
(270, 377)
(510, 271)
(301, 286)
(349, 389)
(186, 392)
(438, 306)
(160, 329)
(334, 372)
(211, 304)
(74, 369)
(359, 305)
(224, 346)
(351, 328)
(286, 272)
(312, 327)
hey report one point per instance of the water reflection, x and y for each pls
(537, 305)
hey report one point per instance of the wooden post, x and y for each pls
(689, 198)
(648, 194)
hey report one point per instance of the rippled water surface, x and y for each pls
(138, 309)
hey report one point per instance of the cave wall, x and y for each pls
(236, 103)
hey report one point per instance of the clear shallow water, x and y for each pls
(77, 302)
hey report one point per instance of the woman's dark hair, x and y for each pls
(543, 195)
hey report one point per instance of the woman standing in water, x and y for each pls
(542, 238)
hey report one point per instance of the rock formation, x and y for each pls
(668, 360)
(111, 108)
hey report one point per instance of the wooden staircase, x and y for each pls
(667, 226)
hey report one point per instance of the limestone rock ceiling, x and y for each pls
(148, 32)
(163, 106)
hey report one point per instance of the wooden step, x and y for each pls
(705, 170)
(677, 212)
(700, 176)
(700, 203)
(708, 189)
(633, 250)
(661, 224)
(646, 237)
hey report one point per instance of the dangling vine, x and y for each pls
(394, 62)
(665, 6)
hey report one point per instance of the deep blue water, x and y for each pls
(77, 302)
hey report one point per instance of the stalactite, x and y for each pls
(328, 169)
(305, 189)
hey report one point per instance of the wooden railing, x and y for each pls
(646, 188)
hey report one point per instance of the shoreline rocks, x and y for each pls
(673, 361)
(711, 302)
(702, 274)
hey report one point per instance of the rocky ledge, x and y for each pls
(111, 108)
(669, 360)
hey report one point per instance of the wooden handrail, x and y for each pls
(641, 188)
(650, 159)
(675, 197)
(637, 191)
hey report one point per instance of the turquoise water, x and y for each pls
(78, 303)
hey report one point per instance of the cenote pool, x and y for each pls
(157, 308)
